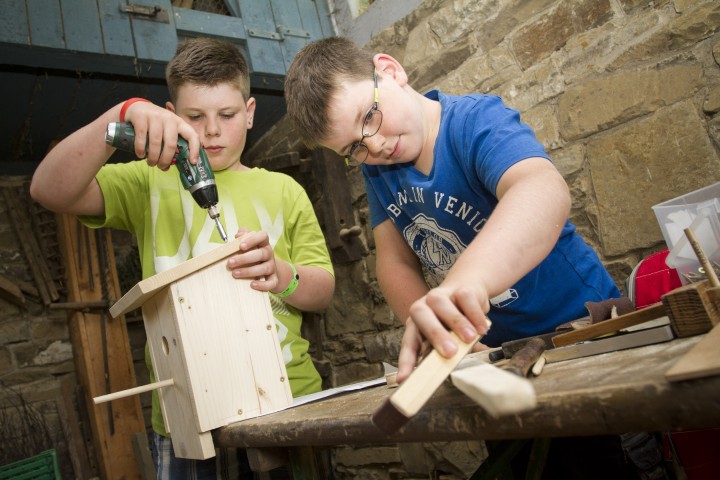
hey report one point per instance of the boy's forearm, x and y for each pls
(519, 234)
(315, 288)
(62, 180)
(401, 285)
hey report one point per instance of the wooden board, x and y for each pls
(145, 289)
(112, 427)
(415, 391)
(651, 312)
(702, 361)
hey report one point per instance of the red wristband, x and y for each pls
(127, 104)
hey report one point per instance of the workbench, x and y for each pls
(612, 393)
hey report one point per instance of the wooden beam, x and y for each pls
(112, 426)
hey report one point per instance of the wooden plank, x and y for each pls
(13, 22)
(71, 427)
(29, 245)
(325, 18)
(145, 289)
(82, 25)
(165, 346)
(143, 456)
(117, 34)
(417, 389)
(702, 361)
(11, 292)
(45, 20)
(651, 312)
(290, 26)
(314, 19)
(111, 434)
(192, 23)
(154, 40)
(266, 53)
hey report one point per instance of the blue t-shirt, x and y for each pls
(441, 213)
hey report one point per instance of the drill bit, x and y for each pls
(215, 215)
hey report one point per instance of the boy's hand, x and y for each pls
(256, 260)
(460, 309)
(161, 128)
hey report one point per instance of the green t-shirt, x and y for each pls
(170, 228)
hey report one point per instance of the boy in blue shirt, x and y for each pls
(469, 215)
(209, 86)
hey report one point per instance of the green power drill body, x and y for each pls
(198, 179)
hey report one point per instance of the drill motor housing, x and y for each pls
(198, 179)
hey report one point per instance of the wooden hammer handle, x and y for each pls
(521, 363)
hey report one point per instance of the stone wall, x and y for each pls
(625, 96)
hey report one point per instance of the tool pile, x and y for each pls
(499, 383)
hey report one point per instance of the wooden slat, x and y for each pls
(287, 14)
(145, 289)
(702, 361)
(13, 26)
(81, 24)
(311, 18)
(651, 312)
(117, 34)
(154, 40)
(29, 245)
(190, 22)
(45, 20)
(71, 427)
(266, 53)
(111, 435)
(11, 292)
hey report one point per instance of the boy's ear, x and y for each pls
(250, 112)
(389, 67)
(170, 106)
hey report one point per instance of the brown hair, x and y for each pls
(312, 79)
(207, 61)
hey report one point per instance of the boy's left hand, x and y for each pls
(256, 260)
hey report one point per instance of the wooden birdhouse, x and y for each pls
(214, 349)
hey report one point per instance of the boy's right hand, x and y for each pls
(461, 309)
(156, 132)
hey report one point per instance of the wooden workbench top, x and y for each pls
(616, 392)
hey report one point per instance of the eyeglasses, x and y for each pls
(371, 124)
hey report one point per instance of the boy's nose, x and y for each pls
(212, 128)
(374, 144)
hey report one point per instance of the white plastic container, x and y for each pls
(699, 210)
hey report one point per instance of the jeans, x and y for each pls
(229, 463)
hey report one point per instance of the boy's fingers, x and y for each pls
(450, 315)
(432, 328)
(471, 309)
(408, 351)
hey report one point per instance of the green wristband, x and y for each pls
(293, 283)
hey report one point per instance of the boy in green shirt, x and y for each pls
(209, 87)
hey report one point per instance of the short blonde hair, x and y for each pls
(209, 62)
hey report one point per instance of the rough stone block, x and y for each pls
(539, 38)
(644, 163)
(602, 103)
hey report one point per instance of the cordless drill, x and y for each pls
(198, 178)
